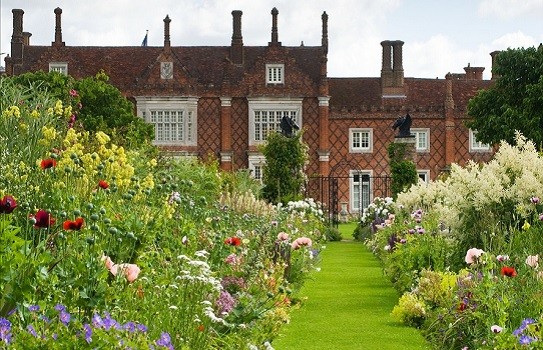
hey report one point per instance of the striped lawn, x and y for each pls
(348, 306)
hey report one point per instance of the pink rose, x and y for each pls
(301, 242)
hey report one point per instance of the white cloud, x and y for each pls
(507, 9)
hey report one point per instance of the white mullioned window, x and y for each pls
(360, 188)
(360, 140)
(422, 139)
(174, 118)
(59, 67)
(424, 175)
(275, 73)
(256, 165)
(476, 146)
(265, 116)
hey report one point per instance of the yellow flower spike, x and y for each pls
(152, 163)
(68, 111)
(102, 137)
(526, 226)
(35, 114)
(50, 111)
(58, 108)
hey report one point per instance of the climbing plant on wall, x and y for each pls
(403, 170)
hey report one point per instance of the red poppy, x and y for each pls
(43, 219)
(103, 184)
(234, 241)
(48, 163)
(201, 328)
(7, 205)
(73, 225)
(508, 271)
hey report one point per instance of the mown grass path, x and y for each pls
(348, 306)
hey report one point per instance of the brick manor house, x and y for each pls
(224, 100)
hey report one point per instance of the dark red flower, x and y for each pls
(43, 219)
(103, 184)
(7, 205)
(48, 163)
(508, 271)
(234, 241)
(73, 225)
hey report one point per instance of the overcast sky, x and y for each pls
(440, 36)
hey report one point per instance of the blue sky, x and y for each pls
(440, 36)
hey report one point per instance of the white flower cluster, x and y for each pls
(513, 177)
(379, 208)
(307, 205)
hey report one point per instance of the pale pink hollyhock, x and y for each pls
(533, 261)
(301, 242)
(496, 329)
(282, 236)
(473, 254)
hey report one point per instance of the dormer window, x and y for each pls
(275, 73)
(59, 67)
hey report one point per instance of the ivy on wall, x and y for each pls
(402, 169)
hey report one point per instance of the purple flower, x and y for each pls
(165, 340)
(141, 327)
(130, 327)
(534, 200)
(97, 321)
(60, 307)
(526, 339)
(64, 317)
(226, 302)
(34, 308)
(5, 331)
(31, 330)
(88, 333)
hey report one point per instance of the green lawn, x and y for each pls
(348, 306)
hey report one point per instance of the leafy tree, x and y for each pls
(403, 170)
(283, 174)
(97, 105)
(514, 102)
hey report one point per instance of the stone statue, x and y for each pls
(288, 125)
(404, 125)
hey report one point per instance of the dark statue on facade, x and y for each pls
(288, 125)
(404, 126)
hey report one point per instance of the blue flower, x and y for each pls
(130, 327)
(165, 340)
(60, 307)
(65, 317)
(31, 330)
(5, 331)
(526, 339)
(34, 308)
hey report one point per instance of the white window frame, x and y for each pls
(59, 67)
(476, 146)
(257, 136)
(419, 133)
(275, 73)
(188, 106)
(354, 206)
(424, 175)
(256, 160)
(352, 138)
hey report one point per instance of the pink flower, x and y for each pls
(496, 329)
(301, 242)
(472, 255)
(73, 93)
(130, 271)
(232, 259)
(534, 200)
(502, 258)
(107, 261)
(533, 261)
(282, 236)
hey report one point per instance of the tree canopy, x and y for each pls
(514, 102)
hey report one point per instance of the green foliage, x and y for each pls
(514, 102)
(333, 234)
(283, 175)
(403, 171)
(96, 105)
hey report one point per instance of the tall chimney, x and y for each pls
(474, 73)
(392, 74)
(26, 38)
(236, 49)
(167, 44)
(324, 40)
(17, 40)
(58, 28)
(274, 35)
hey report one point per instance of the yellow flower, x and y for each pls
(49, 133)
(526, 226)
(152, 163)
(102, 137)
(35, 114)
(58, 108)
(12, 111)
(68, 111)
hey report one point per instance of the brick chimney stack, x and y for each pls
(58, 28)
(167, 44)
(392, 74)
(474, 73)
(274, 35)
(17, 40)
(324, 40)
(26, 38)
(236, 48)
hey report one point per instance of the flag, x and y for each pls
(144, 42)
